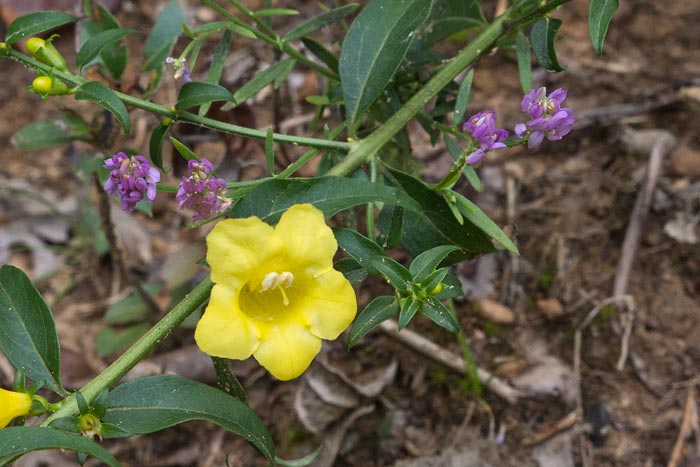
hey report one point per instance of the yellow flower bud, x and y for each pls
(12, 405)
(47, 86)
(438, 288)
(45, 52)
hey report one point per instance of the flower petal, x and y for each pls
(223, 330)
(235, 248)
(329, 305)
(287, 350)
(308, 241)
(12, 405)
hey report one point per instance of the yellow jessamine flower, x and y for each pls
(12, 405)
(276, 294)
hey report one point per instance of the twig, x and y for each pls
(450, 360)
(689, 423)
(629, 246)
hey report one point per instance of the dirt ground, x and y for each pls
(558, 335)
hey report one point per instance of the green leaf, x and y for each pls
(197, 93)
(183, 150)
(94, 46)
(270, 151)
(319, 21)
(322, 53)
(153, 403)
(360, 248)
(155, 145)
(522, 50)
(269, 199)
(351, 269)
(600, 13)
(452, 288)
(302, 461)
(390, 224)
(409, 308)
(18, 440)
(36, 23)
(44, 134)
(109, 340)
(435, 224)
(374, 48)
(27, 329)
(434, 279)
(276, 12)
(439, 314)
(425, 263)
(217, 65)
(397, 275)
(447, 18)
(113, 56)
(476, 216)
(130, 308)
(380, 309)
(165, 32)
(542, 36)
(463, 95)
(255, 85)
(100, 94)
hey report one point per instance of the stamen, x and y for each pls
(273, 280)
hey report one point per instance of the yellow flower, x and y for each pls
(13, 405)
(276, 294)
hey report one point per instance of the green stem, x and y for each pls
(182, 116)
(308, 155)
(138, 351)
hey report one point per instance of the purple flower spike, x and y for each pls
(549, 118)
(482, 127)
(200, 191)
(132, 178)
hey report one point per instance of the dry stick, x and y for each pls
(634, 229)
(450, 360)
(689, 423)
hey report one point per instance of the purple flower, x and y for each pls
(182, 71)
(201, 191)
(482, 127)
(549, 118)
(132, 178)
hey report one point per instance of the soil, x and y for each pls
(568, 205)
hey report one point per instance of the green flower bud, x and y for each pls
(45, 52)
(90, 425)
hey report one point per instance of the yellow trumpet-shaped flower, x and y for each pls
(12, 405)
(276, 294)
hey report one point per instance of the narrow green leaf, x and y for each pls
(301, 462)
(447, 18)
(319, 21)
(165, 32)
(260, 80)
(390, 224)
(463, 96)
(439, 314)
(322, 53)
(360, 248)
(282, 76)
(36, 23)
(28, 335)
(197, 93)
(183, 150)
(155, 145)
(522, 50)
(276, 12)
(467, 170)
(269, 199)
(222, 25)
(19, 440)
(226, 381)
(374, 48)
(109, 340)
(100, 94)
(380, 309)
(600, 13)
(476, 216)
(217, 65)
(425, 263)
(409, 308)
(434, 279)
(153, 403)
(352, 270)
(97, 43)
(270, 151)
(542, 36)
(112, 56)
(452, 288)
(44, 134)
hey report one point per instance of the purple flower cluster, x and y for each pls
(482, 127)
(132, 178)
(549, 118)
(201, 191)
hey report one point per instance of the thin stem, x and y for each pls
(308, 155)
(138, 351)
(182, 116)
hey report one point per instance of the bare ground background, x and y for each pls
(568, 205)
